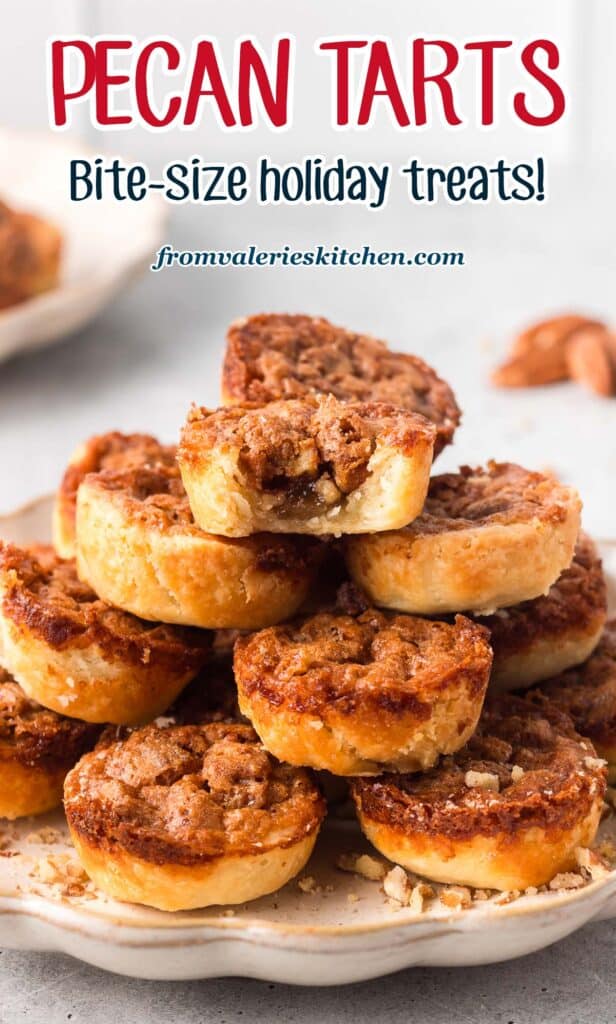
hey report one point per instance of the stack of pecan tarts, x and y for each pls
(292, 591)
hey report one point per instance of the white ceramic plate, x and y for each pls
(106, 243)
(344, 931)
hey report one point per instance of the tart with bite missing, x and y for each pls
(74, 653)
(30, 253)
(274, 356)
(188, 816)
(538, 639)
(114, 451)
(37, 749)
(358, 695)
(508, 811)
(588, 694)
(312, 465)
(139, 548)
(486, 539)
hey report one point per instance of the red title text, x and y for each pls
(155, 83)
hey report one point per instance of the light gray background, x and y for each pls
(158, 348)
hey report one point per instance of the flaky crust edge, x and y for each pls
(545, 657)
(478, 569)
(393, 494)
(90, 684)
(504, 861)
(222, 880)
(27, 789)
(185, 578)
(378, 734)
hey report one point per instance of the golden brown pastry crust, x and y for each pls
(194, 803)
(27, 790)
(306, 465)
(172, 886)
(76, 654)
(139, 547)
(273, 356)
(114, 451)
(355, 695)
(37, 749)
(30, 251)
(487, 538)
(588, 694)
(540, 638)
(544, 800)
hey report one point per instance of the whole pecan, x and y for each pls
(539, 354)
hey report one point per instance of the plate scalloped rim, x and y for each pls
(102, 254)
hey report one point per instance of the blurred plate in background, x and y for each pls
(106, 243)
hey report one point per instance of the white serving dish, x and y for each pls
(321, 938)
(106, 243)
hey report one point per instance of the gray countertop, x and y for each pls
(158, 348)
